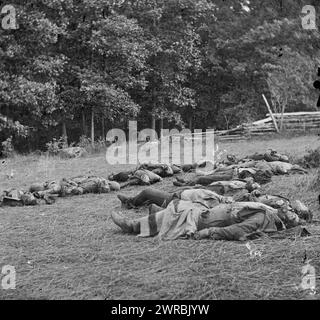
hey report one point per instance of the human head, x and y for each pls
(302, 210)
(289, 217)
(251, 185)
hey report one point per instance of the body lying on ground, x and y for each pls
(162, 170)
(217, 189)
(280, 202)
(226, 221)
(270, 155)
(260, 171)
(159, 169)
(47, 192)
(141, 177)
(232, 191)
(221, 174)
(163, 198)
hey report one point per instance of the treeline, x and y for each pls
(82, 67)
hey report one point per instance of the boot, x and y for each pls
(125, 201)
(178, 184)
(128, 226)
(153, 208)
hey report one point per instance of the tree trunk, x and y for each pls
(153, 126)
(64, 132)
(103, 129)
(92, 127)
(282, 112)
(161, 127)
(84, 125)
(190, 122)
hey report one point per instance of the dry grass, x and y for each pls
(71, 249)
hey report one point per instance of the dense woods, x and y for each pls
(81, 67)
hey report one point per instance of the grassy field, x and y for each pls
(72, 250)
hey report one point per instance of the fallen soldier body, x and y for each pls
(220, 174)
(121, 176)
(75, 186)
(162, 170)
(270, 155)
(186, 219)
(234, 188)
(18, 198)
(218, 192)
(40, 193)
(162, 198)
(279, 202)
(141, 177)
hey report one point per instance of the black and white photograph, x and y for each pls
(159, 150)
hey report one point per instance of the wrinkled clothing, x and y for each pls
(270, 156)
(189, 167)
(50, 188)
(14, 198)
(162, 170)
(180, 218)
(152, 196)
(259, 176)
(220, 175)
(206, 197)
(84, 184)
(271, 201)
(121, 176)
(235, 221)
(142, 177)
(236, 189)
(146, 176)
(47, 192)
(224, 221)
(279, 167)
(162, 198)
(292, 212)
(227, 187)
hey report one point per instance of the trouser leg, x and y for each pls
(217, 189)
(150, 225)
(206, 180)
(150, 195)
(131, 182)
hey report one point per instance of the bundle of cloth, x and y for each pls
(47, 192)
(199, 213)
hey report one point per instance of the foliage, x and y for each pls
(200, 63)
(54, 146)
(7, 147)
(311, 159)
(98, 146)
